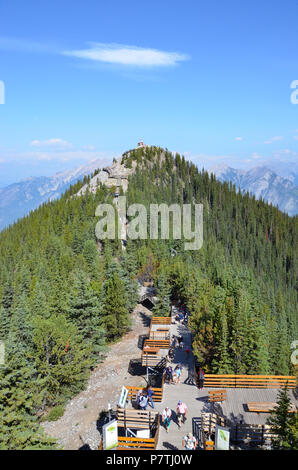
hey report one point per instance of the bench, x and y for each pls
(266, 407)
(217, 395)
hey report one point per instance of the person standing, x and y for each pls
(201, 375)
(166, 418)
(169, 374)
(181, 412)
(189, 442)
(177, 373)
(150, 393)
(143, 402)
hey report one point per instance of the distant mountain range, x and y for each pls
(263, 183)
(18, 199)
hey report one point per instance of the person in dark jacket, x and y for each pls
(201, 377)
(150, 393)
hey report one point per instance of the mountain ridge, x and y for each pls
(18, 199)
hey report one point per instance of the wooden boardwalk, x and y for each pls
(184, 392)
(234, 408)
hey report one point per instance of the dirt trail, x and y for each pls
(78, 426)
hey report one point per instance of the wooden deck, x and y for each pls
(234, 407)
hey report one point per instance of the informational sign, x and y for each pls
(110, 435)
(123, 397)
(222, 438)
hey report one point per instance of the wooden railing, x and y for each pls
(159, 335)
(157, 343)
(136, 443)
(136, 419)
(256, 433)
(249, 381)
(133, 391)
(161, 320)
(152, 360)
(139, 443)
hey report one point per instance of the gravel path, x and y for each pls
(78, 427)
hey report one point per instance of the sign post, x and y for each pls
(222, 438)
(123, 397)
(110, 435)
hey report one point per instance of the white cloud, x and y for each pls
(128, 55)
(52, 143)
(273, 139)
(256, 156)
(239, 138)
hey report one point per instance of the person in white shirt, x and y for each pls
(189, 442)
(166, 418)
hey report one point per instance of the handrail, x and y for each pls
(249, 381)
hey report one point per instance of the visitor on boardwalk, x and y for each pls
(166, 418)
(201, 377)
(150, 393)
(171, 355)
(180, 340)
(143, 401)
(177, 374)
(169, 374)
(181, 411)
(138, 397)
(175, 342)
(189, 442)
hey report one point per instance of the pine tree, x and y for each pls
(84, 310)
(280, 420)
(115, 314)
(61, 357)
(162, 306)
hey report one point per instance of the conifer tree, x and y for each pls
(115, 313)
(280, 420)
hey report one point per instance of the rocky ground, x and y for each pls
(80, 424)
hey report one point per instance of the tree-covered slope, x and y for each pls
(64, 295)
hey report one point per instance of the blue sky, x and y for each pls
(85, 80)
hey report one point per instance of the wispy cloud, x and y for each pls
(26, 45)
(51, 143)
(239, 139)
(128, 55)
(273, 139)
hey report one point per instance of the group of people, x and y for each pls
(144, 397)
(177, 342)
(189, 441)
(182, 315)
(173, 375)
